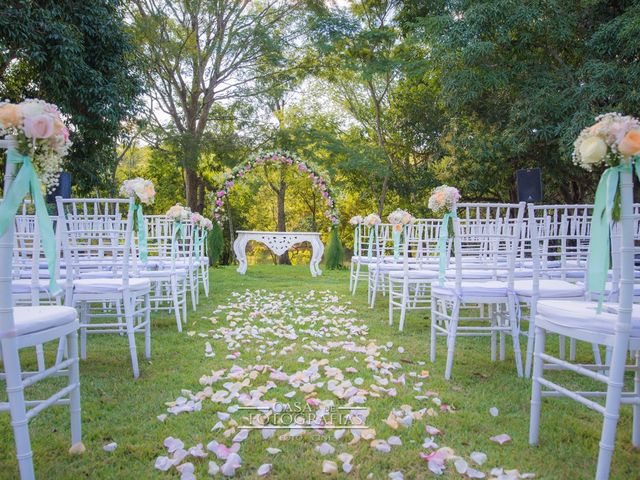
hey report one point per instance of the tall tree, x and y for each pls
(199, 52)
(77, 55)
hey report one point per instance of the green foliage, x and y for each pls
(215, 246)
(78, 56)
(334, 253)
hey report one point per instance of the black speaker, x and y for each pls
(529, 183)
(63, 189)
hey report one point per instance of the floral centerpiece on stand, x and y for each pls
(178, 213)
(41, 143)
(613, 141)
(356, 220)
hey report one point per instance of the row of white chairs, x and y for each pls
(504, 263)
(106, 287)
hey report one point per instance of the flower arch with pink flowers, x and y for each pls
(276, 158)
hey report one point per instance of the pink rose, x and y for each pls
(39, 126)
(220, 193)
(65, 134)
(219, 203)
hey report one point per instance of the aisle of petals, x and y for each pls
(255, 331)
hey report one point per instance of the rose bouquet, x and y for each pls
(178, 213)
(400, 217)
(356, 220)
(201, 221)
(444, 197)
(140, 189)
(612, 140)
(371, 220)
(40, 133)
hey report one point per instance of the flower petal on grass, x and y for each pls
(110, 447)
(163, 463)
(329, 467)
(325, 449)
(501, 439)
(494, 411)
(264, 469)
(478, 458)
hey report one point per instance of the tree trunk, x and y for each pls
(201, 191)
(282, 220)
(191, 186)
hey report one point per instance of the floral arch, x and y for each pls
(275, 158)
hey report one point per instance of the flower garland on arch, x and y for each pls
(275, 158)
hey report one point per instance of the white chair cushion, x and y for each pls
(181, 272)
(490, 288)
(386, 267)
(582, 316)
(415, 274)
(108, 285)
(35, 319)
(607, 288)
(24, 285)
(548, 288)
(469, 274)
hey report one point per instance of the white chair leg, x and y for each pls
(351, 268)
(74, 396)
(451, 338)
(391, 300)
(515, 333)
(635, 435)
(572, 349)
(403, 305)
(183, 296)
(355, 279)
(530, 338)
(84, 318)
(62, 349)
(147, 329)
(176, 303)
(192, 289)
(561, 347)
(536, 387)
(128, 314)
(372, 302)
(612, 413)
(432, 355)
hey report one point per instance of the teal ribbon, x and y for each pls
(372, 238)
(397, 237)
(599, 243)
(141, 225)
(197, 241)
(356, 240)
(443, 238)
(205, 234)
(27, 181)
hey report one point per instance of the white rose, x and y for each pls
(592, 150)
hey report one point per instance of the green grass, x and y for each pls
(117, 408)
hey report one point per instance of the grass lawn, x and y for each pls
(116, 408)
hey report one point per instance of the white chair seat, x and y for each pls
(24, 285)
(34, 319)
(181, 272)
(470, 274)
(548, 288)
(491, 288)
(386, 267)
(415, 274)
(108, 285)
(575, 314)
(607, 288)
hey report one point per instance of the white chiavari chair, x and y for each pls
(364, 254)
(410, 287)
(384, 261)
(486, 241)
(26, 327)
(97, 243)
(617, 328)
(168, 280)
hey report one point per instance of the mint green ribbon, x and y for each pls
(205, 234)
(197, 241)
(372, 238)
(178, 230)
(27, 181)
(396, 237)
(443, 238)
(356, 240)
(141, 226)
(599, 243)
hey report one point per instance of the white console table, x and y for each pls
(278, 243)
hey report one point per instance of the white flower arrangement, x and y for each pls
(40, 133)
(140, 189)
(611, 139)
(356, 220)
(400, 217)
(178, 213)
(371, 220)
(201, 221)
(444, 197)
